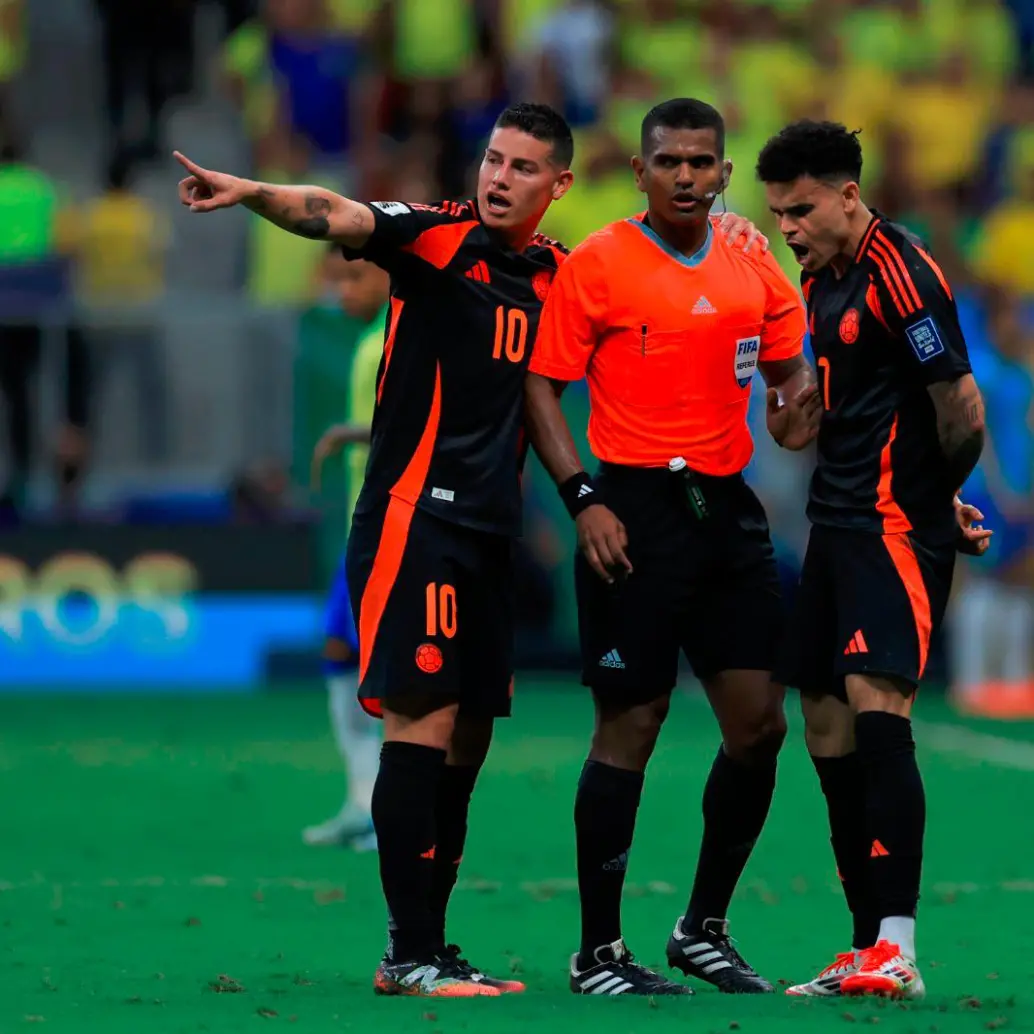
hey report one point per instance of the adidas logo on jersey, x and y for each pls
(612, 660)
(703, 307)
(857, 644)
(479, 272)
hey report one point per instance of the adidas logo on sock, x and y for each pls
(703, 307)
(619, 864)
(612, 660)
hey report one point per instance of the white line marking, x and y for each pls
(977, 746)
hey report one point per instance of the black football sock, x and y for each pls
(843, 784)
(605, 811)
(736, 802)
(895, 809)
(451, 807)
(403, 809)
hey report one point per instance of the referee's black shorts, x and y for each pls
(709, 587)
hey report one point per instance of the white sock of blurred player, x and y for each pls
(358, 738)
(1017, 630)
(975, 615)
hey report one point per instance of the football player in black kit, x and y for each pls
(901, 430)
(429, 562)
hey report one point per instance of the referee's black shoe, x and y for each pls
(614, 971)
(708, 954)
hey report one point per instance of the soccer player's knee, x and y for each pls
(626, 738)
(759, 737)
(828, 726)
(880, 693)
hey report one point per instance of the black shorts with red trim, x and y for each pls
(434, 608)
(708, 586)
(867, 604)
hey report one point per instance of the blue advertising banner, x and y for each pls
(107, 606)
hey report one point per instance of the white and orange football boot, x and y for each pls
(884, 971)
(828, 983)
(433, 977)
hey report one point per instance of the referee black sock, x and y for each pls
(451, 807)
(736, 802)
(604, 820)
(403, 810)
(843, 781)
(895, 810)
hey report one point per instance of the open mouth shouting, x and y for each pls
(497, 203)
(800, 251)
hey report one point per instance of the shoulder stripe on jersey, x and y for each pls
(806, 287)
(937, 270)
(899, 263)
(872, 300)
(863, 247)
(395, 534)
(547, 242)
(888, 281)
(560, 253)
(891, 276)
(439, 244)
(397, 305)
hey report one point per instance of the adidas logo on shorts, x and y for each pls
(612, 660)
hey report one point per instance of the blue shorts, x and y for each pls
(340, 622)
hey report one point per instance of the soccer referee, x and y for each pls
(669, 322)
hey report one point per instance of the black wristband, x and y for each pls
(578, 493)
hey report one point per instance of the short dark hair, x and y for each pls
(822, 150)
(543, 123)
(682, 113)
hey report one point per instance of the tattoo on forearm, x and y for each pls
(357, 218)
(316, 224)
(960, 427)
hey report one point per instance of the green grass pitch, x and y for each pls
(153, 880)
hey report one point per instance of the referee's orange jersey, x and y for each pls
(669, 343)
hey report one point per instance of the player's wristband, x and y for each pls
(578, 493)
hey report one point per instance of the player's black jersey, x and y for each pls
(882, 332)
(447, 428)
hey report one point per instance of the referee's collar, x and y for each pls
(693, 260)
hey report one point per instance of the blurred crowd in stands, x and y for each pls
(394, 98)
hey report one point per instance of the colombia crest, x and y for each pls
(849, 325)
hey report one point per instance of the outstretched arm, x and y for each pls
(312, 212)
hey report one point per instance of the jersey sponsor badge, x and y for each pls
(447, 495)
(747, 351)
(390, 207)
(925, 339)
